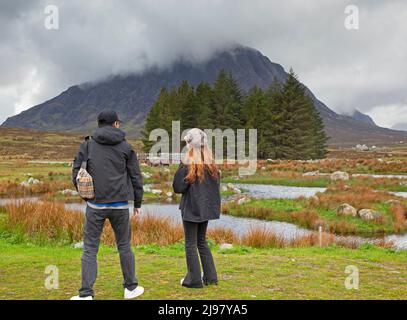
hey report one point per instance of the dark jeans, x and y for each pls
(195, 241)
(95, 219)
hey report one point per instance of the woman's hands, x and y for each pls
(136, 213)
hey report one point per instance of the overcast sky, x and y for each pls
(346, 69)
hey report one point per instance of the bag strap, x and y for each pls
(86, 155)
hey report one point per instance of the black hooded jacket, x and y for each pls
(200, 200)
(113, 165)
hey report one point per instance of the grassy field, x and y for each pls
(244, 273)
(260, 266)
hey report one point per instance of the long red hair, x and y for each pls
(199, 160)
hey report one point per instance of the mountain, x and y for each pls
(400, 126)
(359, 116)
(133, 95)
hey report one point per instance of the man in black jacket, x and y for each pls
(114, 167)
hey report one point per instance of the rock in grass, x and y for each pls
(230, 186)
(146, 175)
(310, 173)
(393, 201)
(69, 192)
(33, 181)
(346, 209)
(78, 245)
(242, 201)
(30, 182)
(339, 175)
(226, 246)
(224, 188)
(368, 214)
(156, 191)
(169, 194)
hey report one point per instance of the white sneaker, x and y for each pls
(134, 293)
(81, 298)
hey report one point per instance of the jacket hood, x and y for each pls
(108, 135)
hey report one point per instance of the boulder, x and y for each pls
(30, 182)
(230, 186)
(78, 245)
(146, 175)
(169, 194)
(362, 147)
(33, 181)
(226, 246)
(311, 173)
(339, 175)
(69, 192)
(346, 209)
(393, 201)
(367, 214)
(156, 191)
(242, 201)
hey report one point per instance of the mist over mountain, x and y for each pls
(359, 116)
(133, 95)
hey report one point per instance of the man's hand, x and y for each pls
(136, 213)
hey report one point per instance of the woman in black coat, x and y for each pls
(199, 182)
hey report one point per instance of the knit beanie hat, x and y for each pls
(196, 138)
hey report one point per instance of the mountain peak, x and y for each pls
(362, 117)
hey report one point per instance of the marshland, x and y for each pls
(303, 220)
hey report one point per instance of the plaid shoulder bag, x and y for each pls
(84, 180)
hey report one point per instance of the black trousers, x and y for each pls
(95, 220)
(195, 241)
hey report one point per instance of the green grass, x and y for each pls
(306, 273)
(320, 182)
(18, 171)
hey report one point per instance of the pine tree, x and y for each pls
(189, 112)
(205, 106)
(228, 101)
(320, 137)
(287, 122)
(156, 118)
(256, 115)
(298, 125)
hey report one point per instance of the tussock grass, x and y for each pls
(12, 189)
(49, 222)
(321, 211)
